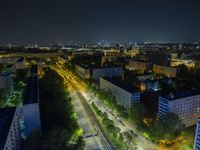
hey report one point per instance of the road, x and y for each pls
(94, 134)
(123, 124)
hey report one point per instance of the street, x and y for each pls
(93, 140)
(94, 135)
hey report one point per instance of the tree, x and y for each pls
(56, 105)
(137, 113)
(59, 125)
(56, 139)
(184, 72)
(1, 102)
(21, 75)
(172, 122)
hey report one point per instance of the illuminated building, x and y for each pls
(138, 65)
(185, 104)
(177, 62)
(125, 94)
(111, 52)
(166, 70)
(132, 53)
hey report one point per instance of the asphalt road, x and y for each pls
(81, 94)
(94, 134)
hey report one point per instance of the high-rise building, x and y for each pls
(10, 128)
(186, 104)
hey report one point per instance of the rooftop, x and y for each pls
(6, 117)
(31, 93)
(180, 94)
(90, 66)
(34, 69)
(123, 84)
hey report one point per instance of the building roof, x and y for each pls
(6, 117)
(180, 94)
(90, 66)
(31, 93)
(123, 84)
(34, 69)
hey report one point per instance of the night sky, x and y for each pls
(44, 21)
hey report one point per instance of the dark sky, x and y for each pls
(46, 21)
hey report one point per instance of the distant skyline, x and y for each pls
(61, 21)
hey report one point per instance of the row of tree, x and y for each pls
(158, 130)
(58, 119)
(112, 131)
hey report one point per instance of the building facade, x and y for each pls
(21, 63)
(6, 85)
(166, 70)
(10, 128)
(138, 65)
(124, 95)
(83, 71)
(197, 136)
(185, 104)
